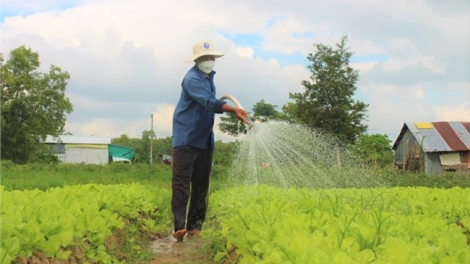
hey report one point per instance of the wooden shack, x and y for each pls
(433, 147)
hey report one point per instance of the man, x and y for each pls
(193, 140)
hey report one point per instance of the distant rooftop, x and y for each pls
(438, 136)
(66, 139)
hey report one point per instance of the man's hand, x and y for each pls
(239, 112)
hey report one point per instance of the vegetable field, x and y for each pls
(253, 224)
(384, 225)
(81, 223)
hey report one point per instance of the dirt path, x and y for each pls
(169, 251)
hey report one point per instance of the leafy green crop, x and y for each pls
(384, 225)
(56, 220)
(260, 224)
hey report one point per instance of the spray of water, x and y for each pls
(291, 155)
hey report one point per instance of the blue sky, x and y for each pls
(255, 40)
(125, 58)
(10, 8)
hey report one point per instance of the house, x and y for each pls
(89, 150)
(433, 147)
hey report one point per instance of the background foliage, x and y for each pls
(373, 150)
(327, 102)
(33, 105)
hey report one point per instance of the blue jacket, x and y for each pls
(193, 119)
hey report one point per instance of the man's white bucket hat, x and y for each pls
(202, 48)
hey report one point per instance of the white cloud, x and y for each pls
(280, 37)
(245, 52)
(162, 118)
(125, 58)
(274, 63)
(362, 47)
(426, 61)
(363, 66)
(419, 92)
(459, 112)
(297, 74)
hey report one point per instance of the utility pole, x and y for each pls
(151, 138)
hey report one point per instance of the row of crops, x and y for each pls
(257, 224)
(383, 225)
(78, 222)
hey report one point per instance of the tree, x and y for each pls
(123, 140)
(262, 112)
(163, 146)
(224, 154)
(33, 105)
(231, 125)
(327, 103)
(146, 140)
(373, 150)
(288, 113)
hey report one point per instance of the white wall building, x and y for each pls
(75, 149)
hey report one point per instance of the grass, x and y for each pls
(401, 178)
(44, 176)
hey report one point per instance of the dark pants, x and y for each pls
(191, 176)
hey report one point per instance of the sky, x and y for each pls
(126, 58)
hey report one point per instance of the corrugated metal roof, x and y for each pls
(467, 126)
(450, 136)
(441, 137)
(463, 131)
(66, 139)
(429, 138)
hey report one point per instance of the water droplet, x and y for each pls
(291, 155)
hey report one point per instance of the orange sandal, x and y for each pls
(179, 235)
(194, 233)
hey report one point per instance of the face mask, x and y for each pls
(206, 66)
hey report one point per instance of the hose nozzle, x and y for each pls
(249, 124)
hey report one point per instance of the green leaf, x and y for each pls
(9, 249)
(62, 254)
(364, 256)
(464, 256)
(219, 256)
(343, 258)
(50, 246)
(66, 237)
(394, 250)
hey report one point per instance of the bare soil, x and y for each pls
(192, 250)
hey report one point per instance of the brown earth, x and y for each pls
(192, 250)
(166, 251)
